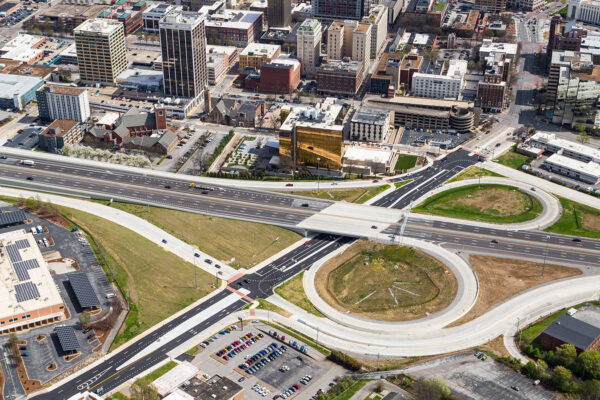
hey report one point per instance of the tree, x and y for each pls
(432, 389)
(590, 390)
(565, 355)
(85, 319)
(583, 137)
(142, 390)
(31, 203)
(561, 378)
(587, 364)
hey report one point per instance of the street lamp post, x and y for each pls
(318, 176)
(195, 270)
(545, 254)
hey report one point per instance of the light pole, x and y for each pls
(545, 254)
(318, 176)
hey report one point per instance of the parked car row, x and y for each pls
(262, 358)
(294, 388)
(208, 341)
(263, 391)
(298, 346)
(238, 346)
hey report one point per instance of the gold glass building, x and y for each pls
(101, 53)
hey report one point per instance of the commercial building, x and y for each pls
(488, 47)
(128, 12)
(30, 297)
(309, 46)
(491, 6)
(340, 77)
(493, 91)
(219, 59)
(468, 27)
(440, 81)
(568, 329)
(279, 13)
(282, 75)
(70, 16)
(59, 133)
(335, 41)
(255, 54)
(101, 54)
(154, 13)
(368, 160)
(16, 91)
(588, 172)
(140, 79)
(370, 125)
(422, 11)
(233, 27)
(377, 17)
(425, 113)
(414, 40)
(349, 39)
(217, 387)
(361, 43)
(587, 11)
(63, 102)
(338, 9)
(183, 48)
(552, 144)
(530, 5)
(312, 135)
(23, 48)
(386, 77)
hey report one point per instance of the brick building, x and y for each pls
(340, 77)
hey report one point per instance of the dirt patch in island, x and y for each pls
(590, 222)
(387, 283)
(493, 201)
(501, 278)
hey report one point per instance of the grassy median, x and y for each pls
(577, 219)
(486, 202)
(473, 172)
(359, 195)
(293, 291)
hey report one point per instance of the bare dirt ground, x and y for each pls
(502, 278)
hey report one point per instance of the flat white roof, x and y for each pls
(228, 50)
(137, 76)
(551, 139)
(233, 19)
(24, 54)
(178, 395)
(321, 116)
(109, 118)
(18, 247)
(22, 41)
(368, 154)
(70, 51)
(175, 377)
(259, 49)
(17, 84)
(490, 47)
(589, 168)
(103, 26)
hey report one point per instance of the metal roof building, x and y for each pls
(567, 329)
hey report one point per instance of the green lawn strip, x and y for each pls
(193, 350)
(513, 160)
(118, 396)
(402, 183)
(439, 6)
(433, 205)
(359, 195)
(351, 391)
(572, 221)
(293, 291)
(218, 237)
(473, 172)
(158, 372)
(267, 305)
(307, 340)
(405, 162)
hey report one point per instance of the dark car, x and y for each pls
(289, 184)
(3, 157)
(167, 186)
(494, 241)
(576, 240)
(30, 178)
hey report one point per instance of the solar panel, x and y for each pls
(13, 217)
(66, 337)
(31, 264)
(22, 244)
(21, 271)
(86, 296)
(26, 291)
(13, 253)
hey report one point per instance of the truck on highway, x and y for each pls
(29, 163)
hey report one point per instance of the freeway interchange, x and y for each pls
(54, 174)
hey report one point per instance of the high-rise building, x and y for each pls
(349, 39)
(493, 6)
(439, 80)
(340, 77)
(62, 102)
(101, 52)
(377, 17)
(361, 43)
(338, 9)
(309, 45)
(183, 46)
(279, 13)
(335, 41)
(493, 91)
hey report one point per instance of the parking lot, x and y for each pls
(26, 139)
(266, 366)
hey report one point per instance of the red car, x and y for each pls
(289, 184)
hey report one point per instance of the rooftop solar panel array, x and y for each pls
(66, 337)
(26, 291)
(12, 217)
(22, 244)
(86, 296)
(13, 253)
(21, 271)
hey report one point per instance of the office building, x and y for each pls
(219, 59)
(255, 54)
(60, 132)
(312, 135)
(335, 41)
(377, 18)
(488, 47)
(340, 77)
(279, 13)
(63, 102)
(491, 6)
(349, 39)
(308, 46)
(101, 54)
(386, 76)
(30, 297)
(587, 11)
(368, 160)
(550, 143)
(154, 13)
(282, 75)
(232, 27)
(370, 125)
(16, 91)
(128, 12)
(361, 43)
(183, 46)
(439, 81)
(69, 16)
(338, 9)
(493, 91)
(588, 172)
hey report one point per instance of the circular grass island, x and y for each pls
(386, 282)
(486, 202)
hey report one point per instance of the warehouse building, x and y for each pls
(16, 91)
(588, 172)
(568, 329)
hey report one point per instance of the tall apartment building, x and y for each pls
(439, 82)
(492, 6)
(101, 53)
(361, 43)
(335, 41)
(377, 17)
(279, 13)
(61, 102)
(493, 90)
(338, 9)
(308, 45)
(349, 39)
(183, 47)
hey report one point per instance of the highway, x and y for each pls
(273, 208)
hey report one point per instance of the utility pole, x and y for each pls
(241, 323)
(318, 176)
(317, 341)
(377, 361)
(545, 254)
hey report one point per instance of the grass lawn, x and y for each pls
(439, 6)
(119, 396)
(359, 195)
(225, 239)
(577, 219)
(386, 282)
(293, 291)
(157, 282)
(493, 203)
(157, 373)
(402, 183)
(267, 305)
(351, 391)
(472, 172)
(405, 162)
(513, 160)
